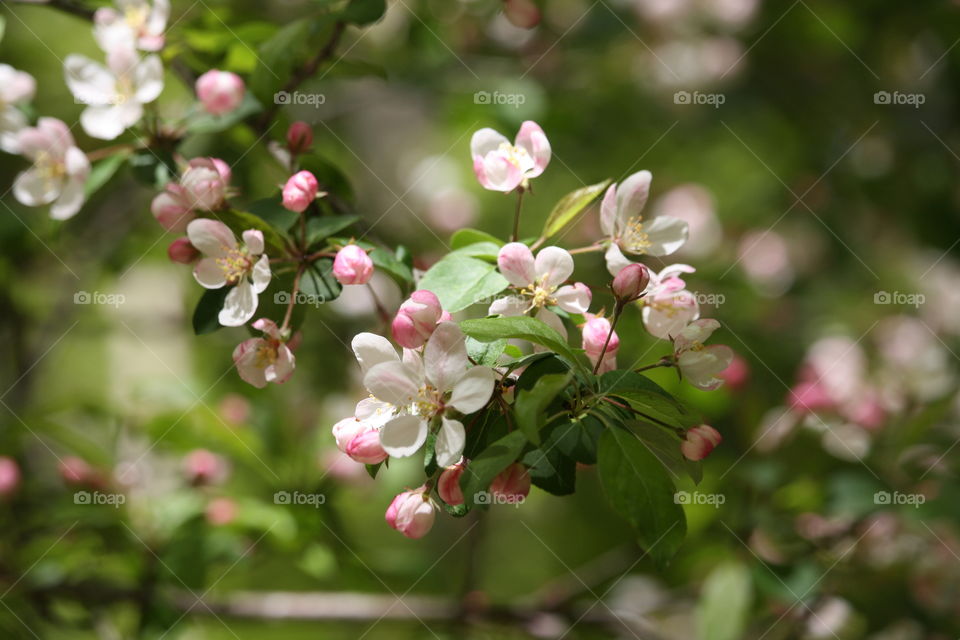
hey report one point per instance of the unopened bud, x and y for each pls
(416, 319)
(631, 282)
(700, 441)
(182, 252)
(300, 191)
(299, 137)
(448, 485)
(352, 265)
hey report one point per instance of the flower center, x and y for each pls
(517, 156)
(266, 354)
(136, 16)
(635, 239)
(49, 169)
(540, 296)
(235, 265)
(429, 401)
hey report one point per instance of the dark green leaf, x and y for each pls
(389, 264)
(520, 328)
(207, 309)
(659, 408)
(279, 55)
(323, 227)
(318, 283)
(640, 490)
(373, 469)
(272, 211)
(362, 12)
(481, 471)
(566, 211)
(531, 405)
(466, 237)
(460, 281)
(488, 427)
(429, 454)
(665, 445)
(578, 438)
(549, 468)
(486, 354)
(240, 221)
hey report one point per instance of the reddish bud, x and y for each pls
(182, 252)
(299, 137)
(700, 441)
(631, 282)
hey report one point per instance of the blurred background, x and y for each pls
(811, 145)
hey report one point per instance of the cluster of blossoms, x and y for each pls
(422, 396)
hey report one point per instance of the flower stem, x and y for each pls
(516, 216)
(381, 310)
(665, 361)
(293, 297)
(617, 310)
(588, 249)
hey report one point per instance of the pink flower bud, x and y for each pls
(171, 209)
(76, 471)
(448, 485)
(352, 265)
(736, 374)
(808, 397)
(299, 137)
(204, 183)
(699, 442)
(220, 92)
(182, 252)
(9, 476)
(300, 191)
(203, 467)
(416, 319)
(365, 447)
(512, 484)
(411, 513)
(595, 332)
(630, 283)
(346, 430)
(221, 511)
(522, 13)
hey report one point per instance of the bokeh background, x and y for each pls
(813, 147)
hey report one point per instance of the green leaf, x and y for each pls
(665, 445)
(389, 264)
(203, 122)
(484, 250)
(722, 613)
(482, 469)
(484, 430)
(319, 229)
(660, 408)
(373, 469)
(549, 468)
(466, 237)
(240, 221)
(531, 405)
(102, 171)
(641, 491)
(3, 27)
(520, 328)
(430, 454)
(486, 354)
(362, 12)
(274, 213)
(207, 309)
(318, 282)
(460, 281)
(570, 206)
(283, 52)
(578, 438)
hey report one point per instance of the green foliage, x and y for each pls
(460, 281)
(724, 606)
(484, 468)
(570, 206)
(520, 328)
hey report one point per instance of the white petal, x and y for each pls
(148, 79)
(392, 382)
(517, 265)
(211, 237)
(254, 241)
(508, 306)
(664, 322)
(239, 305)
(532, 139)
(486, 140)
(554, 265)
(70, 200)
(574, 298)
(445, 356)
(261, 274)
(616, 261)
(450, 441)
(33, 188)
(89, 82)
(473, 390)
(371, 349)
(632, 195)
(608, 212)
(552, 320)
(12, 121)
(77, 164)
(666, 234)
(403, 436)
(106, 122)
(209, 274)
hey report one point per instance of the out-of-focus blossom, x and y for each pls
(699, 442)
(115, 94)
(59, 169)
(701, 365)
(299, 137)
(694, 62)
(135, 21)
(352, 265)
(915, 357)
(842, 440)
(77, 471)
(838, 364)
(16, 87)
(203, 467)
(512, 485)
(693, 204)
(829, 620)
(221, 511)
(668, 307)
(235, 408)
(502, 166)
(181, 251)
(417, 319)
(736, 375)
(595, 332)
(225, 263)
(451, 208)
(765, 258)
(622, 221)
(220, 92)
(266, 359)
(448, 485)
(411, 513)
(536, 284)
(300, 191)
(9, 476)
(522, 13)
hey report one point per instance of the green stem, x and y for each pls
(516, 216)
(617, 310)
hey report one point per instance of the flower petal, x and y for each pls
(445, 356)
(403, 436)
(517, 264)
(450, 442)
(261, 274)
(253, 239)
(608, 212)
(496, 172)
(486, 140)
(532, 138)
(239, 305)
(209, 274)
(33, 188)
(553, 321)
(473, 390)
(211, 237)
(574, 298)
(666, 234)
(371, 349)
(632, 195)
(392, 382)
(148, 79)
(616, 261)
(106, 122)
(553, 266)
(245, 358)
(508, 306)
(70, 200)
(281, 370)
(89, 82)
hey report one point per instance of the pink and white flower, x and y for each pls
(421, 387)
(501, 166)
(699, 364)
(448, 484)
(668, 307)
(417, 319)
(352, 265)
(595, 332)
(203, 186)
(227, 263)
(411, 513)
(299, 191)
(59, 169)
(220, 92)
(622, 220)
(9, 476)
(359, 437)
(115, 94)
(133, 21)
(536, 284)
(699, 442)
(16, 87)
(266, 359)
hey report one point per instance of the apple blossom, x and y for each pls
(360, 440)
(423, 387)
(220, 92)
(221, 511)
(245, 267)
(137, 22)
(622, 221)
(630, 283)
(501, 166)
(536, 284)
(300, 191)
(59, 169)
(411, 513)
(668, 307)
(701, 365)
(267, 359)
(417, 318)
(299, 137)
(352, 265)
(203, 467)
(699, 442)
(181, 251)
(521, 13)
(115, 94)
(16, 87)
(205, 183)
(595, 332)
(512, 484)
(448, 484)
(9, 476)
